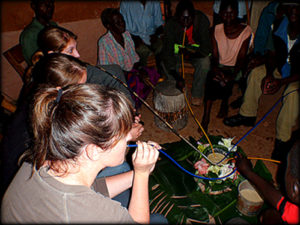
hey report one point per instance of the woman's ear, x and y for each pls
(93, 151)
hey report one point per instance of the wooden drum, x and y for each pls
(170, 104)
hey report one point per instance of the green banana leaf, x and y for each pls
(176, 194)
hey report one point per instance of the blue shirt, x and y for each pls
(142, 21)
(264, 27)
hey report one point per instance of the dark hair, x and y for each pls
(294, 156)
(184, 5)
(58, 69)
(294, 58)
(84, 114)
(36, 2)
(54, 39)
(226, 3)
(107, 14)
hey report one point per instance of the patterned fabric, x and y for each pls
(139, 86)
(111, 52)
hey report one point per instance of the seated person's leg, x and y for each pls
(253, 92)
(286, 120)
(169, 69)
(202, 66)
(156, 48)
(158, 219)
(124, 197)
(144, 52)
(289, 112)
(248, 110)
(212, 92)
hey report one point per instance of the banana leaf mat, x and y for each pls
(176, 194)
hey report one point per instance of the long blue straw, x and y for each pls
(186, 171)
(273, 107)
(220, 178)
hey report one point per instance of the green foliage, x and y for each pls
(262, 170)
(176, 194)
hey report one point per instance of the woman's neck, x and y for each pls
(233, 30)
(76, 174)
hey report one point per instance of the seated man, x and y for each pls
(43, 10)
(145, 24)
(196, 25)
(285, 209)
(117, 47)
(282, 68)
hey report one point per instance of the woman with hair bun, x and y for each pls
(78, 131)
(52, 70)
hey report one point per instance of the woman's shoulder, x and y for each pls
(246, 30)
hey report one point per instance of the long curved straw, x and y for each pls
(272, 108)
(186, 171)
(156, 113)
(188, 104)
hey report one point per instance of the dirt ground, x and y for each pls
(259, 143)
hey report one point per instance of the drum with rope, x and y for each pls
(170, 103)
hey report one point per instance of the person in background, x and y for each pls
(53, 69)
(270, 17)
(43, 10)
(78, 131)
(285, 209)
(230, 41)
(198, 47)
(17, 137)
(242, 11)
(281, 69)
(117, 47)
(60, 40)
(144, 22)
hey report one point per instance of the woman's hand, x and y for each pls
(145, 157)
(220, 77)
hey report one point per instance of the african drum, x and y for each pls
(170, 104)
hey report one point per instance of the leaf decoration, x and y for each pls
(177, 196)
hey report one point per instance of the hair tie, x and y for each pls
(59, 94)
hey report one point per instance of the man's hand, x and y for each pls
(186, 53)
(270, 85)
(243, 165)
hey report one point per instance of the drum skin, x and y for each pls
(170, 103)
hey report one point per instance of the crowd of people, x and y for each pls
(64, 153)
